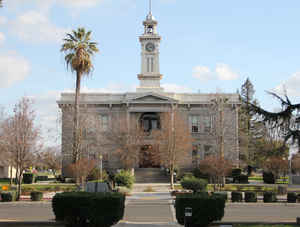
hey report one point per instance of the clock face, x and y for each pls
(150, 47)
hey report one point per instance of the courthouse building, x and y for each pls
(150, 100)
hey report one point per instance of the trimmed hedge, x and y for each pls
(28, 178)
(205, 209)
(270, 197)
(236, 172)
(268, 178)
(236, 196)
(292, 197)
(222, 193)
(250, 197)
(8, 196)
(41, 178)
(194, 184)
(242, 179)
(36, 196)
(88, 209)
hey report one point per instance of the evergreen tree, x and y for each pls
(284, 124)
(249, 130)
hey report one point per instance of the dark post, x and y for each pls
(188, 212)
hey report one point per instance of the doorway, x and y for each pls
(149, 157)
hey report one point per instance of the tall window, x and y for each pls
(200, 124)
(195, 123)
(195, 156)
(148, 65)
(152, 64)
(104, 122)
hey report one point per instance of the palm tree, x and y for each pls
(78, 50)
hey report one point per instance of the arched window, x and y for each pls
(150, 121)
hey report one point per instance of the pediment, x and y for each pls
(152, 98)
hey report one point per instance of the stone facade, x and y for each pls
(198, 109)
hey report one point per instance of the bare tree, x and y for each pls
(295, 165)
(21, 138)
(216, 167)
(81, 169)
(126, 141)
(277, 166)
(51, 159)
(174, 139)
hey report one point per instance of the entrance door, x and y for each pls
(149, 157)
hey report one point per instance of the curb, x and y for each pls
(25, 223)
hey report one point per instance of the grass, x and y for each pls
(45, 187)
(244, 187)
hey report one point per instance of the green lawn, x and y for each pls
(44, 187)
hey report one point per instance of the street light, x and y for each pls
(101, 158)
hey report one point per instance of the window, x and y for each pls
(200, 124)
(195, 123)
(207, 150)
(195, 156)
(152, 65)
(148, 65)
(104, 122)
(207, 123)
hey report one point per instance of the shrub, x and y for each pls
(236, 172)
(242, 179)
(88, 209)
(95, 175)
(223, 194)
(124, 178)
(250, 197)
(236, 196)
(28, 178)
(268, 178)
(36, 196)
(41, 178)
(270, 197)
(205, 209)
(194, 184)
(197, 173)
(8, 196)
(292, 197)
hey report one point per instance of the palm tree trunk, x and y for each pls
(76, 118)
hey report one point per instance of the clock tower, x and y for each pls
(150, 41)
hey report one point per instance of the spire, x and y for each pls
(150, 16)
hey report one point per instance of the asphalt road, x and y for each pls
(157, 208)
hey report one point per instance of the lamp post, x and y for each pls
(101, 158)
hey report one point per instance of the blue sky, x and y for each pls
(207, 46)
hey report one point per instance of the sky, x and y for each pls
(207, 46)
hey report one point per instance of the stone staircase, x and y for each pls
(150, 175)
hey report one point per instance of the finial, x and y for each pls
(150, 6)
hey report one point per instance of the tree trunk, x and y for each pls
(19, 186)
(76, 118)
(11, 177)
(172, 177)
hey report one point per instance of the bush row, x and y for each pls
(10, 196)
(88, 209)
(268, 197)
